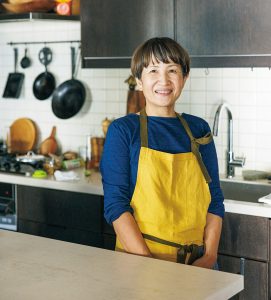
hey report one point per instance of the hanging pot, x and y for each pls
(25, 62)
(69, 96)
(44, 84)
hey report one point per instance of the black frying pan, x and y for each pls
(44, 84)
(69, 96)
(15, 81)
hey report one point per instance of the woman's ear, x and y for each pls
(139, 84)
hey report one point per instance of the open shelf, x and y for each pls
(32, 16)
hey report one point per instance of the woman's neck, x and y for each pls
(160, 111)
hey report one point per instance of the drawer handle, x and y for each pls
(242, 266)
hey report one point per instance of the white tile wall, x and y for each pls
(248, 92)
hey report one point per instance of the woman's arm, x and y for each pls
(130, 236)
(211, 241)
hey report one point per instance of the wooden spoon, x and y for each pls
(49, 145)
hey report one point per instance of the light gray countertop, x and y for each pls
(39, 268)
(91, 184)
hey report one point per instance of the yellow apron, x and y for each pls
(171, 196)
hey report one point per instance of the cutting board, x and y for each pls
(23, 135)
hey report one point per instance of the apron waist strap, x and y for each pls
(194, 250)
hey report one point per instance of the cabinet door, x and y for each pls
(225, 33)
(62, 233)
(256, 277)
(245, 236)
(111, 30)
(60, 208)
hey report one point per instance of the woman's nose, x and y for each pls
(164, 78)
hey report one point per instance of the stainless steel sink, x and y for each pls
(249, 192)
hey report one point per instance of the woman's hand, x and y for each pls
(206, 261)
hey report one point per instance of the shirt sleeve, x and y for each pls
(209, 157)
(115, 170)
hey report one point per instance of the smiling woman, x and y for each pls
(159, 167)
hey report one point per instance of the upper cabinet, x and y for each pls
(111, 30)
(233, 33)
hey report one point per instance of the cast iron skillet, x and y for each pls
(69, 97)
(44, 84)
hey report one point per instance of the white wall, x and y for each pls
(247, 91)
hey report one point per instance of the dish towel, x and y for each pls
(265, 199)
(65, 176)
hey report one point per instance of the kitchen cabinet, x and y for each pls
(245, 248)
(68, 216)
(225, 33)
(215, 33)
(111, 30)
(256, 276)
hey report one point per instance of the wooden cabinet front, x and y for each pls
(245, 236)
(60, 208)
(256, 276)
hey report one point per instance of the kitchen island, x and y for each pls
(39, 268)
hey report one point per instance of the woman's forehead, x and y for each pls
(156, 61)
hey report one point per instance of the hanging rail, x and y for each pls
(48, 42)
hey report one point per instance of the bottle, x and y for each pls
(72, 163)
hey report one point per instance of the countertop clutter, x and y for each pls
(39, 268)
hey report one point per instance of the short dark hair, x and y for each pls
(164, 49)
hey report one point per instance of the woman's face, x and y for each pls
(162, 84)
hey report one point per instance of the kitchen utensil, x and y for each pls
(25, 62)
(23, 135)
(29, 6)
(44, 84)
(14, 81)
(69, 97)
(97, 145)
(105, 124)
(135, 99)
(49, 145)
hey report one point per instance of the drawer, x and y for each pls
(256, 277)
(245, 236)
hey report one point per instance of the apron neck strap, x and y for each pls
(143, 128)
(195, 143)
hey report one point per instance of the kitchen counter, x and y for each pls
(93, 185)
(38, 268)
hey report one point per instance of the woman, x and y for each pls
(159, 168)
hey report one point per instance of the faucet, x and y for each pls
(231, 162)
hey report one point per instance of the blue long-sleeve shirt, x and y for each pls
(119, 162)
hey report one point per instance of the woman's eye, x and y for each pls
(173, 71)
(153, 71)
